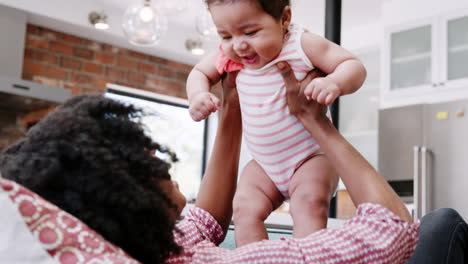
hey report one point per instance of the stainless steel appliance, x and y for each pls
(423, 152)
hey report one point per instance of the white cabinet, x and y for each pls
(425, 60)
(455, 50)
(409, 57)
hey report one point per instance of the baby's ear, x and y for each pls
(286, 17)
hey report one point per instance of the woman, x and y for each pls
(90, 159)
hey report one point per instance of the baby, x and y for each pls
(287, 162)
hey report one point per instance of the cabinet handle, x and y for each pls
(416, 184)
(425, 181)
(434, 85)
(441, 84)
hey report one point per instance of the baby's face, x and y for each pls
(248, 34)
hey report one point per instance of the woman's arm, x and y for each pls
(362, 181)
(219, 182)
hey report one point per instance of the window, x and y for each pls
(167, 121)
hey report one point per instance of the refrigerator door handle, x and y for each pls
(425, 181)
(416, 184)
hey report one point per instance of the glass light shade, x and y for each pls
(171, 7)
(205, 26)
(143, 25)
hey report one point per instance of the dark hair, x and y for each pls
(92, 159)
(273, 7)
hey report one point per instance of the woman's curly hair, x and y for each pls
(91, 158)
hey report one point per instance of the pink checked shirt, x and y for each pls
(374, 235)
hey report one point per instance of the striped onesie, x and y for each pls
(276, 139)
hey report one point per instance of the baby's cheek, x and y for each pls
(227, 48)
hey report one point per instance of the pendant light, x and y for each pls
(205, 26)
(172, 7)
(143, 24)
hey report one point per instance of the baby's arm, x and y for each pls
(345, 73)
(201, 101)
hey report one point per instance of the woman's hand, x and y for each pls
(230, 97)
(297, 101)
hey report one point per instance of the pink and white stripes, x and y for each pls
(275, 138)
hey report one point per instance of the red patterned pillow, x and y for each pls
(65, 238)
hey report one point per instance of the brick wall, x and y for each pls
(10, 130)
(58, 59)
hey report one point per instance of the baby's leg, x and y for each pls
(256, 197)
(311, 189)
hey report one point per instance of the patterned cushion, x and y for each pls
(65, 238)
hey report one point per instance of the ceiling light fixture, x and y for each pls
(143, 24)
(205, 26)
(98, 20)
(195, 46)
(172, 7)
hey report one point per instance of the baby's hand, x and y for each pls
(322, 90)
(202, 105)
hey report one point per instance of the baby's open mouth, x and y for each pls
(250, 59)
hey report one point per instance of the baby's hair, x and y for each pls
(273, 7)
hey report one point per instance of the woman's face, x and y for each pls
(171, 189)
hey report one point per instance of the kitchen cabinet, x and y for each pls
(425, 59)
(454, 57)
